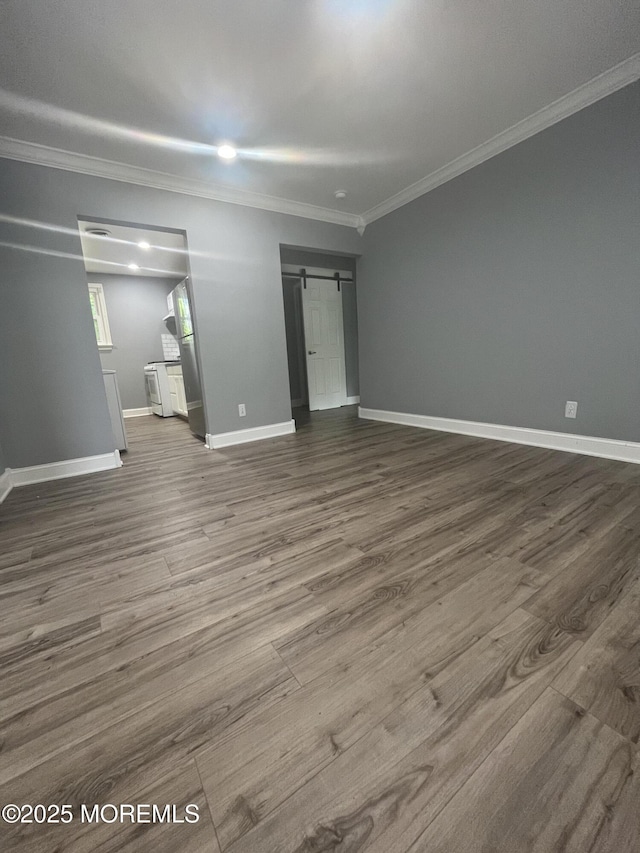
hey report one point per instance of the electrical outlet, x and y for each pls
(571, 409)
(242, 410)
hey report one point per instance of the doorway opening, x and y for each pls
(138, 286)
(321, 324)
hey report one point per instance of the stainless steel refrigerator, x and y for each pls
(187, 342)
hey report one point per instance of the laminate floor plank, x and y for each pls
(116, 763)
(28, 578)
(93, 593)
(248, 585)
(560, 780)
(580, 597)
(342, 492)
(111, 541)
(232, 550)
(143, 548)
(9, 559)
(30, 645)
(604, 677)
(380, 793)
(438, 620)
(180, 788)
(175, 631)
(33, 737)
(563, 532)
(264, 576)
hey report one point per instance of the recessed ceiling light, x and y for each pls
(144, 244)
(227, 152)
(340, 194)
(97, 232)
(134, 267)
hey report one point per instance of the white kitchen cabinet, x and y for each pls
(176, 389)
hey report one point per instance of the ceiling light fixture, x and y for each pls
(97, 232)
(144, 244)
(134, 267)
(340, 194)
(227, 152)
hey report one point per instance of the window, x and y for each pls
(99, 314)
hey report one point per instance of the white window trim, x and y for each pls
(105, 343)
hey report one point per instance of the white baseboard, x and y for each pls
(6, 484)
(241, 436)
(607, 448)
(351, 401)
(137, 413)
(65, 468)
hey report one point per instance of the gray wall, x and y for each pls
(516, 286)
(135, 308)
(3, 465)
(304, 258)
(53, 399)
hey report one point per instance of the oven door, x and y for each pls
(153, 390)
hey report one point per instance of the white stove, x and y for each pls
(157, 385)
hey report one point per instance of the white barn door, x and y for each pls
(324, 340)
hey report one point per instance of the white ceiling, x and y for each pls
(166, 256)
(369, 96)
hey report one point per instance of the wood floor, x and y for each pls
(361, 637)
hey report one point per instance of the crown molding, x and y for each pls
(69, 161)
(599, 87)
